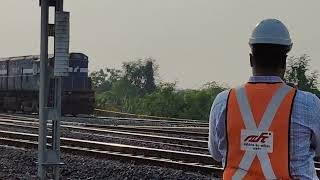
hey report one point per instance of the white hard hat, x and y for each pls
(271, 31)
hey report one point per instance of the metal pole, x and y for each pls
(42, 139)
(56, 126)
(58, 93)
(59, 6)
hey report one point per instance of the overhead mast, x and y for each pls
(50, 157)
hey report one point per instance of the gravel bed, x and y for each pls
(109, 139)
(18, 163)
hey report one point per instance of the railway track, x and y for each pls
(200, 163)
(187, 131)
(195, 162)
(171, 122)
(184, 144)
(144, 129)
(151, 130)
(102, 112)
(177, 123)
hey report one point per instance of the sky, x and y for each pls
(193, 41)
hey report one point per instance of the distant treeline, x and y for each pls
(133, 89)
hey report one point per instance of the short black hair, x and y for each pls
(269, 55)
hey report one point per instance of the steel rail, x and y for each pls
(167, 154)
(140, 160)
(204, 150)
(165, 139)
(171, 122)
(164, 130)
(190, 161)
(151, 130)
(214, 170)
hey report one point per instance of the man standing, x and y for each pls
(266, 129)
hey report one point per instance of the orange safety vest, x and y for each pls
(258, 131)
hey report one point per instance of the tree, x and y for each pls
(98, 78)
(165, 101)
(141, 74)
(198, 102)
(298, 73)
(149, 71)
(102, 79)
(119, 88)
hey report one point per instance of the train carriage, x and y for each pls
(19, 85)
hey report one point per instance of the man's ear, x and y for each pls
(251, 60)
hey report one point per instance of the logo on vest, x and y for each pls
(259, 141)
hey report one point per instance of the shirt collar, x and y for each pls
(272, 79)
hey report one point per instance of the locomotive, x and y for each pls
(20, 80)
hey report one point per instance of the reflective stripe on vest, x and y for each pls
(249, 145)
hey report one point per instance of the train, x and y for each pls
(20, 80)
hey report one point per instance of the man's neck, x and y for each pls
(262, 72)
(266, 74)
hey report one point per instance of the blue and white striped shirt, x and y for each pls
(304, 132)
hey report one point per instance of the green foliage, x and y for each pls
(150, 85)
(99, 78)
(107, 100)
(298, 73)
(167, 101)
(141, 75)
(102, 80)
(116, 89)
(198, 102)
(133, 89)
